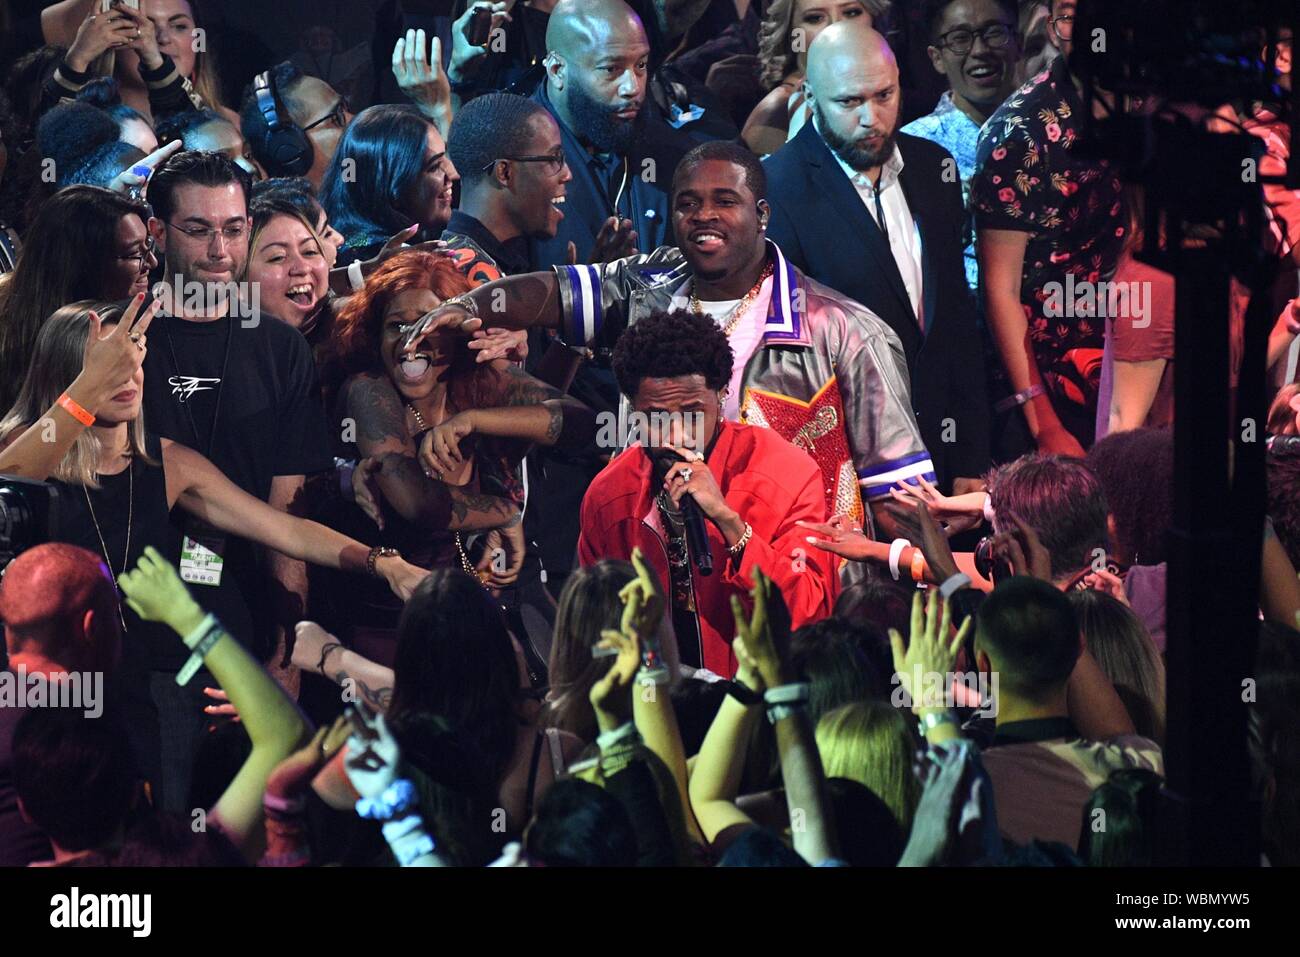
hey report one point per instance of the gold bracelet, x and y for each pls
(735, 550)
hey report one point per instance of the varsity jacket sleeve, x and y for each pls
(883, 436)
(596, 299)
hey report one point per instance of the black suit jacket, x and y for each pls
(822, 226)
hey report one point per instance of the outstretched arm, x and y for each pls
(273, 722)
(202, 489)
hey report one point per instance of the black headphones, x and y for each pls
(285, 149)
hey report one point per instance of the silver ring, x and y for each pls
(686, 474)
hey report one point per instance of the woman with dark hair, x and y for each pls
(1129, 801)
(297, 190)
(471, 422)
(391, 170)
(287, 258)
(1126, 654)
(787, 32)
(456, 660)
(87, 243)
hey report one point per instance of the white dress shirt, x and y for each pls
(904, 233)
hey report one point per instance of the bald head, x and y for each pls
(577, 27)
(45, 595)
(597, 66)
(852, 83)
(849, 46)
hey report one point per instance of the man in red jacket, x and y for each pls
(750, 485)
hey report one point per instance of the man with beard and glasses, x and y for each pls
(877, 215)
(620, 153)
(819, 369)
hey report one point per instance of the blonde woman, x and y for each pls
(872, 742)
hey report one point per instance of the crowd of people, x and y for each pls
(632, 372)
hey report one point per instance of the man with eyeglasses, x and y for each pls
(974, 44)
(1050, 225)
(877, 215)
(240, 388)
(309, 103)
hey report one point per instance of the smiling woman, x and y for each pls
(390, 171)
(287, 260)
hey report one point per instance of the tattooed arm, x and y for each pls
(318, 652)
(526, 409)
(379, 417)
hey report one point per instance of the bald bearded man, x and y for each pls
(621, 154)
(877, 215)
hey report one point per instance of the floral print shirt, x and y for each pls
(1031, 176)
(959, 135)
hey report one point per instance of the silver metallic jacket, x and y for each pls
(829, 375)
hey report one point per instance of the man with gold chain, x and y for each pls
(819, 369)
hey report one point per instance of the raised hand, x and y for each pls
(135, 178)
(918, 525)
(616, 240)
(145, 43)
(463, 52)
(113, 358)
(1023, 550)
(424, 81)
(155, 592)
(99, 33)
(930, 650)
(611, 696)
(765, 633)
(949, 510)
(294, 774)
(643, 600)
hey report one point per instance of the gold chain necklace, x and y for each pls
(742, 307)
(460, 545)
(130, 514)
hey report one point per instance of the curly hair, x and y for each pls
(354, 340)
(664, 345)
(1136, 471)
(774, 48)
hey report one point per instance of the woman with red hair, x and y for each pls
(440, 432)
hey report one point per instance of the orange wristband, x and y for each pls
(918, 564)
(70, 406)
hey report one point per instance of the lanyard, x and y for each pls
(221, 383)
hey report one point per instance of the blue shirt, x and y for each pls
(958, 134)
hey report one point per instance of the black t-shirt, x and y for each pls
(246, 396)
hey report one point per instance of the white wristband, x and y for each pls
(355, 277)
(952, 584)
(895, 552)
(988, 508)
(796, 693)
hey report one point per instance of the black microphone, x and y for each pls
(697, 536)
